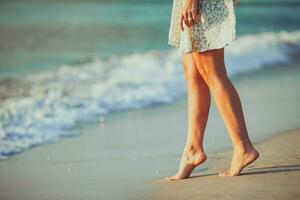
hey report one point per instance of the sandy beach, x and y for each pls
(275, 175)
(128, 155)
(93, 102)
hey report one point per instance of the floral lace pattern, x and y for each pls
(214, 27)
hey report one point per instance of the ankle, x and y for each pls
(194, 149)
(243, 146)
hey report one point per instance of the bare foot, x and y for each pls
(189, 161)
(241, 159)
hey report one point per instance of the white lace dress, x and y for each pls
(214, 27)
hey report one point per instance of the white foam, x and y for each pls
(251, 52)
(58, 100)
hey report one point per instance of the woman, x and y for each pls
(201, 29)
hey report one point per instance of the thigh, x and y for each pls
(211, 63)
(190, 68)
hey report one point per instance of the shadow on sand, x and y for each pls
(260, 170)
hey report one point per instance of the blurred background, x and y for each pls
(42, 34)
(68, 64)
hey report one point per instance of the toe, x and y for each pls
(224, 173)
(221, 174)
(171, 178)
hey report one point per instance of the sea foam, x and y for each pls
(46, 106)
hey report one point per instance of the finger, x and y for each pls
(194, 16)
(186, 22)
(181, 24)
(191, 19)
(186, 19)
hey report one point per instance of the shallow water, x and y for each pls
(38, 35)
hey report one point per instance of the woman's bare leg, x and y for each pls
(211, 66)
(198, 110)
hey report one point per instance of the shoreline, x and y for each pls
(275, 175)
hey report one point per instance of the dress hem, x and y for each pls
(201, 49)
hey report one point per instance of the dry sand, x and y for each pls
(275, 175)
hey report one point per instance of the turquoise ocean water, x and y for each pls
(68, 62)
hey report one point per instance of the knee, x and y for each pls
(215, 81)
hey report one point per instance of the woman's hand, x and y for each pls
(188, 13)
